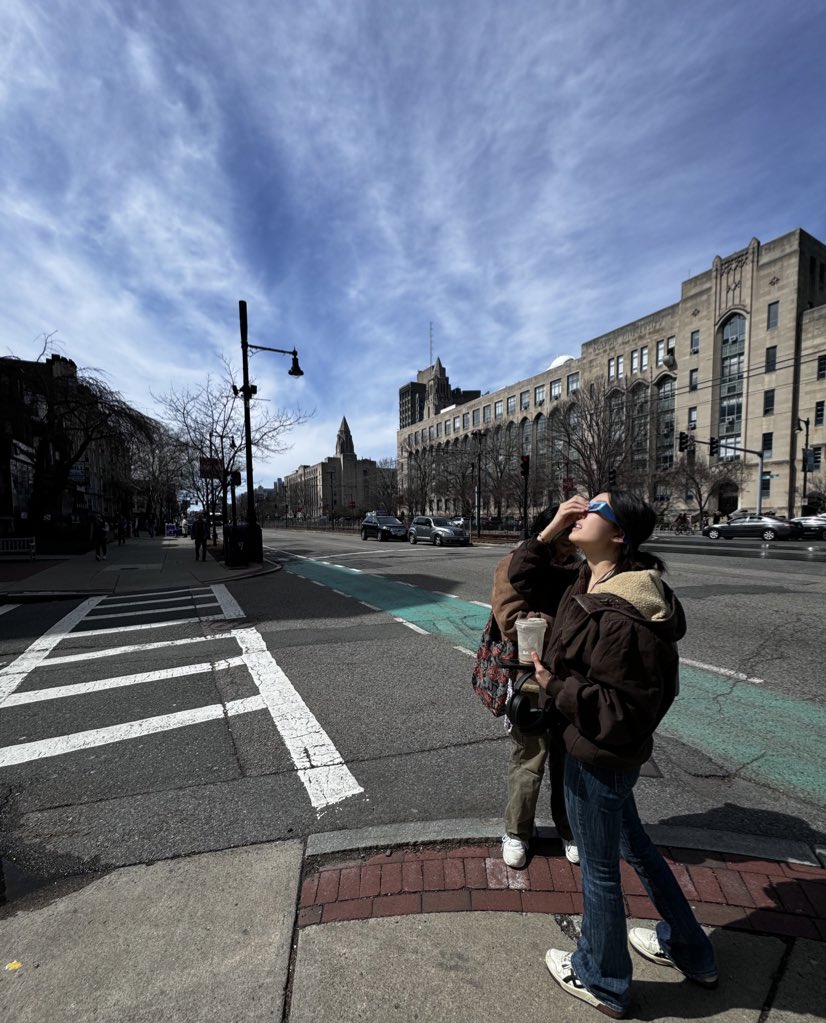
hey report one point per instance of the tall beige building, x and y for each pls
(740, 359)
(342, 485)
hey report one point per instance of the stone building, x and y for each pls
(341, 486)
(739, 360)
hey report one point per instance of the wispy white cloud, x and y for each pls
(525, 176)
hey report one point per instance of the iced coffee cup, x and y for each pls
(530, 635)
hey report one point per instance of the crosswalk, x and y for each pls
(123, 631)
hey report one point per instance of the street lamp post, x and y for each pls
(803, 424)
(212, 494)
(255, 545)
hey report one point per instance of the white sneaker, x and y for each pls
(514, 852)
(571, 851)
(560, 968)
(646, 942)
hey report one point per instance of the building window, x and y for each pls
(766, 485)
(692, 418)
(819, 413)
(693, 377)
(447, 428)
(635, 362)
(620, 367)
(556, 389)
(610, 369)
(465, 420)
(524, 399)
(476, 416)
(456, 424)
(695, 342)
(768, 402)
(486, 414)
(821, 367)
(430, 432)
(644, 358)
(771, 359)
(773, 315)
(512, 405)
(671, 344)
(573, 382)
(768, 442)
(438, 429)
(660, 353)
(817, 459)
(539, 394)
(498, 409)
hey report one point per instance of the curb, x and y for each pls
(432, 868)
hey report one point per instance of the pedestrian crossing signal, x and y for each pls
(525, 466)
(713, 445)
(683, 442)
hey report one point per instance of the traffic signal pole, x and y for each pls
(713, 445)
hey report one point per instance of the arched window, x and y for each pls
(525, 437)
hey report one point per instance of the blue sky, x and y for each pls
(524, 175)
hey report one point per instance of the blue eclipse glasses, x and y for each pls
(605, 511)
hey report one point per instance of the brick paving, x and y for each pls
(760, 896)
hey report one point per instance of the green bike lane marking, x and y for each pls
(764, 736)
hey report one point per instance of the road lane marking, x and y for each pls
(320, 765)
(157, 600)
(14, 673)
(229, 605)
(149, 611)
(132, 648)
(464, 650)
(25, 752)
(722, 671)
(156, 593)
(8, 607)
(145, 626)
(410, 625)
(117, 681)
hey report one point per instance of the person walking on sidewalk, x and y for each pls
(100, 529)
(530, 753)
(610, 667)
(200, 534)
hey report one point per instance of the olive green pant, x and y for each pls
(529, 755)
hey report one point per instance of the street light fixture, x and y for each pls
(479, 437)
(803, 424)
(255, 545)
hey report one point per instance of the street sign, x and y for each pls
(211, 469)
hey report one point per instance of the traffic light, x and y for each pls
(713, 445)
(525, 466)
(612, 477)
(235, 478)
(683, 442)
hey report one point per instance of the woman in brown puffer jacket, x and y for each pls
(610, 666)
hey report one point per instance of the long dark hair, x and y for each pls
(637, 519)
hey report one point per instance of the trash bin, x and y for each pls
(236, 552)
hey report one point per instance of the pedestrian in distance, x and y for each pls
(100, 531)
(123, 527)
(200, 534)
(530, 753)
(610, 668)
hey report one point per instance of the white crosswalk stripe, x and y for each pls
(318, 764)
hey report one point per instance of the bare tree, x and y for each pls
(420, 477)
(209, 419)
(698, 480)
(387, 486)
(74, 414)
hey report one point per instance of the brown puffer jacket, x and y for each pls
(613, 657)
(508, 603)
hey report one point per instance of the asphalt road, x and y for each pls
(335, 694)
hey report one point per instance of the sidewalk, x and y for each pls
(142, 564)
(334, 929)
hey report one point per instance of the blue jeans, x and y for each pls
(606, 825)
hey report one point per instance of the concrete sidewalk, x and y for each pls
(142, 564)
(329, 931)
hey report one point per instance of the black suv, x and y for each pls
(383, 527)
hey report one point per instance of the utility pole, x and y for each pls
(804, 424)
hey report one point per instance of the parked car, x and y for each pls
(383, 527)
(764, 526)
(437, 530)
(812, 525)
(461, 521)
